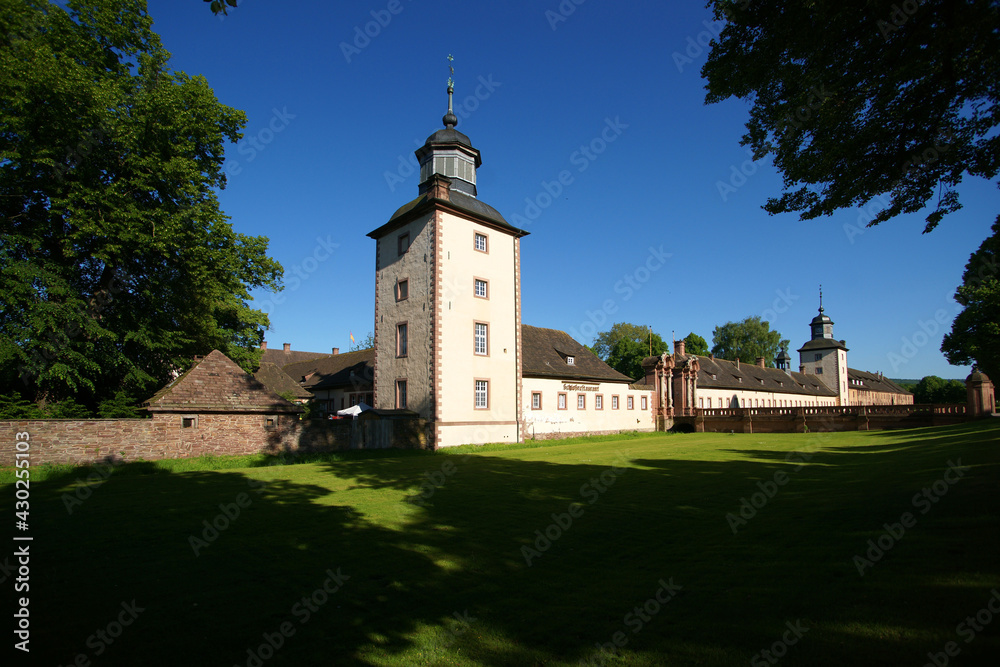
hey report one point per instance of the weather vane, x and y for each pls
(451, 71)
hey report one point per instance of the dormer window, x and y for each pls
(570, 361)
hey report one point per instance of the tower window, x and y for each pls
(401, 342)
(400, 394)
(481, 288)
(481, 242)
(819, 370)
(403, 243)
(818, 357)
(402, 290)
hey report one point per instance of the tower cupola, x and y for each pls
(449, 153)
(821, 325)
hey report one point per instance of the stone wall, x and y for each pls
(165, 436)
(840, 418)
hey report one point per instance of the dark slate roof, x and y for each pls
(723, 374)
(544, 353)
(279, 381)
(347, 369)
(282, 358)
(823, 344)
(873, 382)
(217, 384)
(448, 135)
(456, 199)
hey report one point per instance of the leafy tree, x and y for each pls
(932, 389)
(605, 340)
(119, 406)
(116, 264)
(747, 340)
(975, 333)
(219, 6)
(858, 100)
(695, 344)
(15, 406)
(627, 354)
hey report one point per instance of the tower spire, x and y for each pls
(820, 298)
(450, 119)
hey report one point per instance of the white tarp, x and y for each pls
(354, 410)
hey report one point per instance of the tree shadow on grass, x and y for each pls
(457, 547)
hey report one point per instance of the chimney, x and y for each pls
(679, 347)
(287, 347)
(263, 345)
(336, 351)
(737, 363)
(802, 368)
(760, 362)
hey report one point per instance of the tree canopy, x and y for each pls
(605, 341)
(932, 389)
(627, 354)
(116, 263)
(881, 103)
(695, 344)
(747, 340)
(975, 333)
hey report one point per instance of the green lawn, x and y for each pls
(444, 581)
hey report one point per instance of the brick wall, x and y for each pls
(165, 437)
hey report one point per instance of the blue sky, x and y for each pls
(638, 231)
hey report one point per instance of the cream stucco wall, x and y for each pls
(550, 419)
(460, 421)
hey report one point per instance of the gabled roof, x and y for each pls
(280, 382)
(283, 358)
(457, 200)
(347, 369)
(724, 374)
(217, 384)
(544, 353)
(823, 344)
(865, 381)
